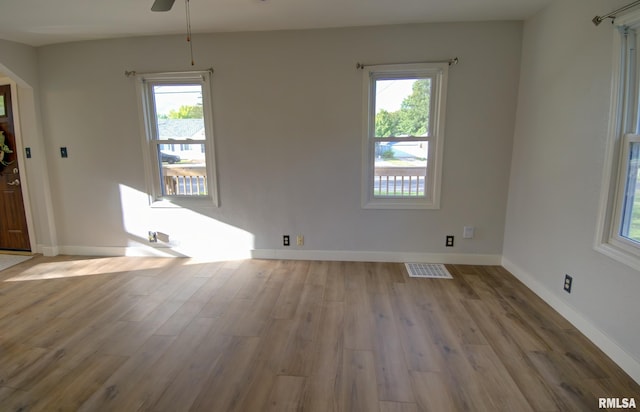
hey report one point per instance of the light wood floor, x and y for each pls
(129, 334)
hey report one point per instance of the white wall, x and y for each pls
(287, 112)
(556, 176)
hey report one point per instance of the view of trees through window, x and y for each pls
(184, 112)
(402, 130)
(402, 107)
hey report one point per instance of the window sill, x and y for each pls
(619, 254)
(399, 204)
(183, 203)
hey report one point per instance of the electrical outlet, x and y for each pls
(285, 240)
(300, 240)
(449, 242)
(568, 282)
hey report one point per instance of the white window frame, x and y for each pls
(624, 129)
(145, 83)
(438, 73)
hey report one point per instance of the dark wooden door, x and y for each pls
(13, 222)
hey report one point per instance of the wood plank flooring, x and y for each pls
(153, 334)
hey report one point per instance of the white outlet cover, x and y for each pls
(468, 232)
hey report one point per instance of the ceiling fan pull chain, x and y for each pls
(188, 11)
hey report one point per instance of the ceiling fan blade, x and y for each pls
(162, 5)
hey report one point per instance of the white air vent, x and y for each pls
(428, 270)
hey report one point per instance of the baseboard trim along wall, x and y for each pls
(47, 250)
(369, 256)
(117, 251)
(628, 363)
(162, 250)
(336, 255)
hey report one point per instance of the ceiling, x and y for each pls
(43, 22)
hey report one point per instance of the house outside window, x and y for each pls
(403, 135)
(178, 139)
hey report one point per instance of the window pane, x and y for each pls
(402, 107)
(630, 227)
(183, 172)
(179, 112)
(400, 168)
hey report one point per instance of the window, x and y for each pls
(618, 234)
(628, 216)
(178, 141)
(403, 135)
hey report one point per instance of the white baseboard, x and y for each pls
(47, 250)
(627, 362)
(367, 256)
(149, 251)
(117, 251)
(337, 255)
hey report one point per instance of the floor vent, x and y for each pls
(428, 270)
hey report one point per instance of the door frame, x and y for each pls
(22, 163)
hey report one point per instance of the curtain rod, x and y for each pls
(450, 62)
(612, 15)
(130, 73)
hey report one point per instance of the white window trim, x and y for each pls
(148, 133)
(608, 240)
(439, 73)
